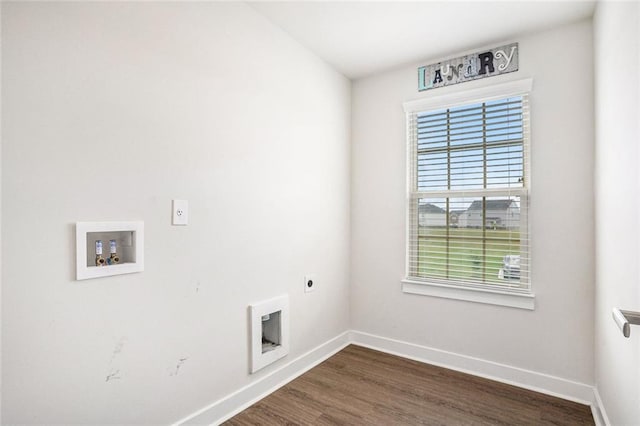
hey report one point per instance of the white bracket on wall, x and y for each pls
(624, 320)
(109, 248)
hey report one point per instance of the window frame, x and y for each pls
(457, 289)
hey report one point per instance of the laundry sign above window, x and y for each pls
(487, 63)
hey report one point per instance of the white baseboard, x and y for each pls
(527, 379)
(598, 411)
(231, 405)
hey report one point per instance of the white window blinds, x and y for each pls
(468, 194)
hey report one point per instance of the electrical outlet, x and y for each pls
(180, 212)
(310, 283)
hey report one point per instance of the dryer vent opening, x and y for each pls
(271, 336)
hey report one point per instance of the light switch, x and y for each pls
(180, 215)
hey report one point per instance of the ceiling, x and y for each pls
(362, 38)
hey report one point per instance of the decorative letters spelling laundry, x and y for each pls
(500, 60)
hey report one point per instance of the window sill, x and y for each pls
(490, 297)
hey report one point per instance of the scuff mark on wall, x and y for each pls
(118, 348)
(113, 376)
(178, 365)
(197, 286)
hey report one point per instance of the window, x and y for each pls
(468, 191)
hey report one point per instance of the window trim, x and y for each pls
(524, 299)
(482, 94)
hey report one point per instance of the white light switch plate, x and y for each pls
(180, 212)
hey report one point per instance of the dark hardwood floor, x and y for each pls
(359, 386)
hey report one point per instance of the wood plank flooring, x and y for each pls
(359, 386)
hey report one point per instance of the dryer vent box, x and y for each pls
(269, 331)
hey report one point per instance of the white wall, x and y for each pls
(0, 214)
(109, 112)
(617, 75)
(556, 338)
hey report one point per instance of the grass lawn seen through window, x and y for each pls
(472, 254)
